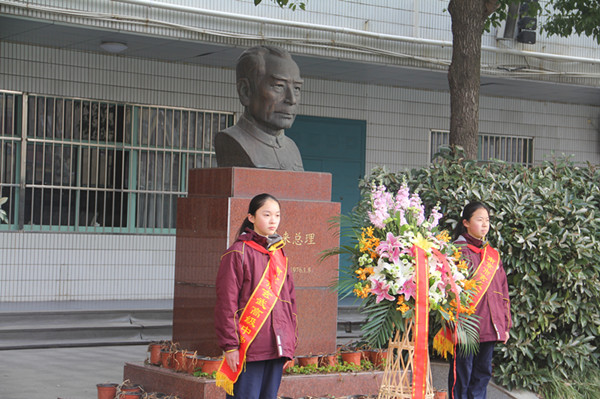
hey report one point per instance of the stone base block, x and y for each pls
(158, 379)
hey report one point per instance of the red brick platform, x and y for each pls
(186, 386)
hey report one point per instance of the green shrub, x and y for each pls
(546, 225)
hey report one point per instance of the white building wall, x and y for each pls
(67, 267)
(54, 266)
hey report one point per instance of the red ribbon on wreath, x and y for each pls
(421, 331)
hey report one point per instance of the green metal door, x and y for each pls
(336, 146)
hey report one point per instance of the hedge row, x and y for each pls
(546, 225)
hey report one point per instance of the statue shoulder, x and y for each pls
(230, 150)
(233, 132)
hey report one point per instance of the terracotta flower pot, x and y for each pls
(131, 389)
(352, 357)
(377, 356)
(440, 395)
(328, 360)
(166, 359)
(210, 365)
(192, 362)
(288, 365)
(107, 391)
(154, 350)
(306, 360)
(179, 361)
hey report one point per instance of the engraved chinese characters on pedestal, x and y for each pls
(299, 239)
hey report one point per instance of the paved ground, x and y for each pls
(66, 373)
(72, 373)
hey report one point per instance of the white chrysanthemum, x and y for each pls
(365, 259)
(458, 276)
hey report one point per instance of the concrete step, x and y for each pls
(71, 324)
(83, 318)
(102, 323)
(349, 322)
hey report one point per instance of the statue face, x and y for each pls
(273, 103)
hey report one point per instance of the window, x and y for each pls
(167, 143)
(102, 166)
(507, 148)
(10, 150)
(513, 149)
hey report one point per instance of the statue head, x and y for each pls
(268, 85)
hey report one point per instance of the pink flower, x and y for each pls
(390, 248)
(402, 198)
(435, 216)
(378, 218)
(415, 202)
(382, 203)
(409, 289)
(381, 289)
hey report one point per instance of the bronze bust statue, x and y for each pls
(268, 85)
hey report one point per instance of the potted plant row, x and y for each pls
(170, 355)
(127, 390)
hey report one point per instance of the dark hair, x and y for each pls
(467, 212)
(255, 204)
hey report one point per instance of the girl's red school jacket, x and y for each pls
(239, 273)
(494, 307)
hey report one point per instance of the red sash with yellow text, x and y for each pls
(257, 310)
(490, 259)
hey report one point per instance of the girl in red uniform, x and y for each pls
(473, 372)
(255, 313)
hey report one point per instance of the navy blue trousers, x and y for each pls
(260, 380)
(473, 373)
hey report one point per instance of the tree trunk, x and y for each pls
(468, 17)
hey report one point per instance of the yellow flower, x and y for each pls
(422, 242)
(456, 255)
(363, 273)
(462, 265)
(449, 313)
(443, 236)
(469, 284)
(363, 292)
(470, 310)
(403, 307)
(368, 243)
